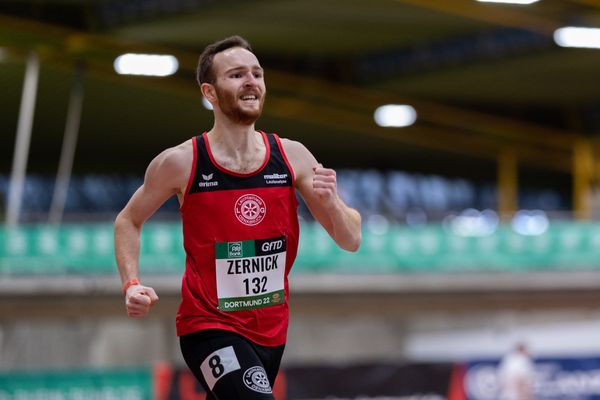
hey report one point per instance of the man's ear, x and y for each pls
(209, 92)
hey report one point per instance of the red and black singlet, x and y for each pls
(240, 235)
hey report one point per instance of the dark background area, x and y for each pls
(483, 78)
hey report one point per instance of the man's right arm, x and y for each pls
(166, 175)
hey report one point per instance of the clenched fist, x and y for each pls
(325, 185)
(139, 299)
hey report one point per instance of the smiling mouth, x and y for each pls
(249, 97)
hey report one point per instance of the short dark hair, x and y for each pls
(204, 72)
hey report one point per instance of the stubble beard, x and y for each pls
(229, 107)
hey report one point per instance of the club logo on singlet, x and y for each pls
(250, 209)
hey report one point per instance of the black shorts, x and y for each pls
(230, 366)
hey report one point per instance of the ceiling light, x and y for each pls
(571, 36)
(146, 64)
(509, 1)
(395, 115)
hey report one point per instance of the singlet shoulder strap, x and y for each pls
(202, 171)
(277, 149)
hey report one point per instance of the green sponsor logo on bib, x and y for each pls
(242, 249)
(235, 250)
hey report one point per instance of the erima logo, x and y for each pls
(208, 178)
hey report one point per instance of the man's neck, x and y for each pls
(232, 136)
(237, 147)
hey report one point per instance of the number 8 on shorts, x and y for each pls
(218, 364)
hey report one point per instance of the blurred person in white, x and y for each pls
(516, 374)
(236, 188)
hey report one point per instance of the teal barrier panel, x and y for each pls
(126, 384)
(87, 249)
(432, 248)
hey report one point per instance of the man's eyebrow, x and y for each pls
(253, 68)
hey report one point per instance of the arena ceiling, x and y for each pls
(486, 80)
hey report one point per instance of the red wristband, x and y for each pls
(130, 283)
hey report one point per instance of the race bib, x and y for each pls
(250, 273)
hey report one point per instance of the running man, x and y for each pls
(236, 188)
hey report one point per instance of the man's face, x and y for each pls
(239, 85)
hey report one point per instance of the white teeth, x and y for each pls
(248, 97)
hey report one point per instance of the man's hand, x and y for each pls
(325, 185)
(139, 299)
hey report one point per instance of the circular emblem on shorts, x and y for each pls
(256, 379)
(250, 209)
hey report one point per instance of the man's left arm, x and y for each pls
(318, 187)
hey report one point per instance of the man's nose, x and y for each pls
(251, 81)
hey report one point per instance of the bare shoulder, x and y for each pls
(293, 147)
(300, 157)
(177, 156)
(173, 164)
